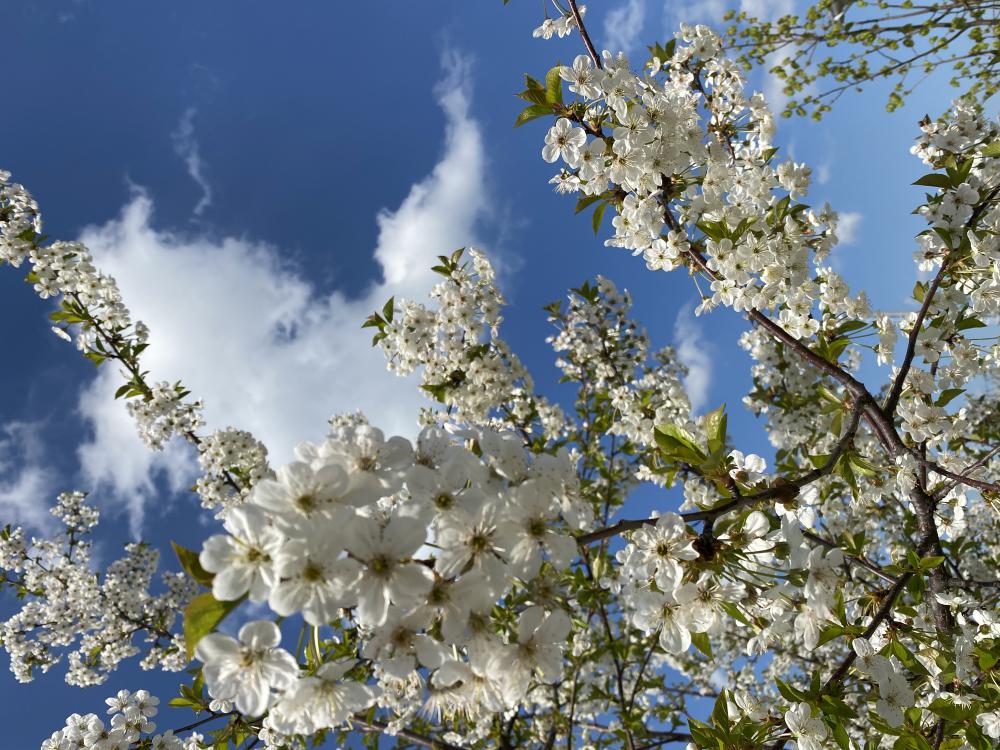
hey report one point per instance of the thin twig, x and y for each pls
(584, 35)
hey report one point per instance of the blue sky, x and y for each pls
(258, 177)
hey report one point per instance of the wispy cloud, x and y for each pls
(186, 147)
(250, 334)
(712, 12)
(823, 172)
(693, 350)
(847, 227)
(623, 25)
(26, 487)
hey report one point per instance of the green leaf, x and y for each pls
(947, 710)
(715, 230)
(701, 642)
(553, 86)
(586, 200)
(532, 113)
(702, 734)
(976, 738)
(948, 395)
(438, 391)
(968, 323)
(374, 321)
(840, 735)
(720, 712)
(862, 466)
(831, 705)
(201, 617)
(733, 611)
(388, 309)
(678, 444)
(188, 559)
(934, 179)
(992, 150)
(715, 429)
(788, 692)
(534, 91)
(830, 632)
(850, 326)
(931, 562)
(595, 221)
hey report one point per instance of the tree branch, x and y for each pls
(375, 725)
(784, 488)
(584, 35)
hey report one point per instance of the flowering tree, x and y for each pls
(849, 44)
(489, 584)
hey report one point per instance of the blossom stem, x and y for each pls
(578, 17)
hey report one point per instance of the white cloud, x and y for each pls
(622, 25)
(694, 12)
(767, 10)
(847, 227)
(712, 12)
(186, 147)
(26, 487)
(823, 172)
(249, 333)
(774, 87)
(693, 352)
(440, 212)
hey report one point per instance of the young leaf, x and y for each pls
(701, 642)
(532, 112)
(715, 429)
(934, 179)
(598, 215)
(678, 444)
(188, 559)
(201, 617)
(948, 395)
(553, 86)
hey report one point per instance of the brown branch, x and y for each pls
(783, 488)
(962, 477)
(841, 671)
(862, 562)
(584, 35)
(375, 725)
(911, 343)
(883, 612)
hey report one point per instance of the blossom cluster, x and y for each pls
(411, 547)
(464, 362)
(92, 309)
(129, 720)
(600, 345)
(686, 161)
(232, 461)
(564, 25)
(66, 604)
